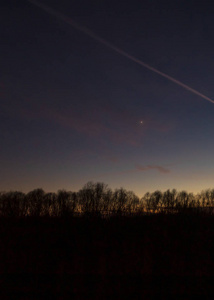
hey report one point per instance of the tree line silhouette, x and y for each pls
(97, 233)
(97, 199)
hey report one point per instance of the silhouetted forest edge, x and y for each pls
(98, 200)
(102, 244)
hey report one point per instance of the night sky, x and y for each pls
(73, 110)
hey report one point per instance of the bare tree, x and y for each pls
(94, 198)
(35, 202)
(13, 204)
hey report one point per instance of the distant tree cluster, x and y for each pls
(172, 201)
(97, 199)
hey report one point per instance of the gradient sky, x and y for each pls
(72, 110)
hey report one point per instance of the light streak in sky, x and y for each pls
(90, 33)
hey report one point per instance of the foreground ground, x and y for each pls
(82, 258)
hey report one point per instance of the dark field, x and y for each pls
(92, 258)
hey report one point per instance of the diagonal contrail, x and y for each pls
(90, 33)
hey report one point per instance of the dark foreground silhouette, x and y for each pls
(99, 200)
(94, 255)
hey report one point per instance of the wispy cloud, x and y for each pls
(107, 123)
(160, 169)
(120, 127)
(138, 168)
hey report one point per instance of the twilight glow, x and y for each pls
(73, 110)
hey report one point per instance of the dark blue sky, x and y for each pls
(71, 108)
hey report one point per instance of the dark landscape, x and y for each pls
(109, 91)
(131, 251)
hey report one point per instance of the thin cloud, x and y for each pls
(117, 127)
(160, 169)
(138, 168)
(106, 123)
